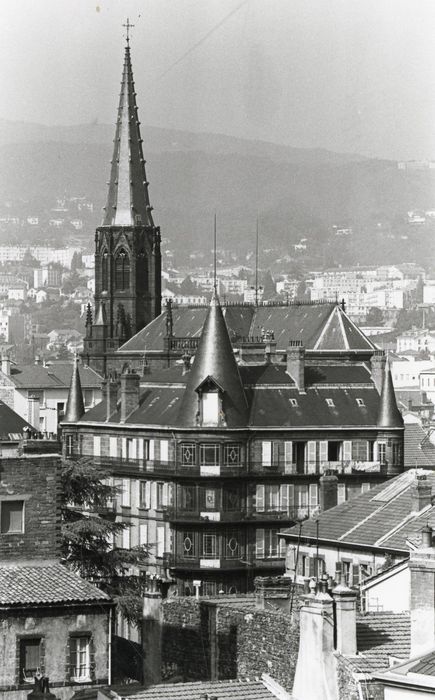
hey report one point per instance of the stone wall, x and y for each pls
(203, 639)
(36, 481)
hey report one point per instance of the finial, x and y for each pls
(128, 26)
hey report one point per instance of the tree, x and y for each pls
(76, 261)
(88, 530)
(375, 317)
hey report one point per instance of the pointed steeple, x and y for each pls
(389, 415)
(214, 362)
(100, 316)
(128, 201)
(75, 407)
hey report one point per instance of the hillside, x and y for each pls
(298, 193)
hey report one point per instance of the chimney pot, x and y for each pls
(328, 491)
(378, 368)
(130, 389)
(421, 493)
(296, 363)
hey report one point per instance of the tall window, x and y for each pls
(105, 271)
(209, 454)
(80, 658)
(12, 516)
(122, 270)
(209, 545)
(30, 658)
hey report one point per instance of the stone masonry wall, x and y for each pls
(36, 481)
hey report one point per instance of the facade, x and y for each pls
(214, 456)
(39, 393)
(53, 622)
(127, 244)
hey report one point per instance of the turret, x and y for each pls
(75, 407)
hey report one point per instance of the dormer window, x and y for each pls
(210, 403)
(330, 403)
(293, 403)
(360, 402)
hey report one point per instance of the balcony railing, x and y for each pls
(218, 563)
(292, 513)
(350, 466)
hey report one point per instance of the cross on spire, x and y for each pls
(128, 26)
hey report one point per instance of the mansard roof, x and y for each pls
(128, 200)
(273, 400)
(321, 327)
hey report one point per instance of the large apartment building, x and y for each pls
(213, 455)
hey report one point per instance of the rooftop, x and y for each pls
(258, 689)
(381, 636)
(45, 583)
(381, 518)
(52, 376)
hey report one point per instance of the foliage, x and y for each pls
(88, 529)
(375, 317)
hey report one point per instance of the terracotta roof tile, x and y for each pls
(379, 637)
(224, 690)
(46, 583)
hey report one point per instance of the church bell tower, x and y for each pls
(127, 244)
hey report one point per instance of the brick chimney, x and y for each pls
(421, 493)
(422, 570)
(296, 363)
(328, 490)
(130, 382)
(378, 368)
(315, 675)
(109, 389)
(152, 632)
(345, 618)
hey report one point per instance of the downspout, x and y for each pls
(109, 649)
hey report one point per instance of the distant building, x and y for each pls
(47, 276)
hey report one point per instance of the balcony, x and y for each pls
(318, 467)
(176, 514)
(292, 514)
(126, 465)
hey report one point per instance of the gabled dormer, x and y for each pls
(210, 403)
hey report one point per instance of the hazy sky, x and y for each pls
(348, 75)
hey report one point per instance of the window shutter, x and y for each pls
(113, 447)
(341, 493)
(313, 496)
(169, 496)
(312, 448)
(284, 496)
(165, 495)
(259, 498)
(126, 538)
(148, 495)
(288, 457)
(266, 453)
(143, 533)
(164, 450)
(282, 547)
(140, 449)
(123, 448)
(355, 574)
(275, 452)
(312, 566)
(347, 450)
(291, 494)
(97, 446)
(323, 449)
(125, 496)
(151, 444)
(259, 543)
(160, 540)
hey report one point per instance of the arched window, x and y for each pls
(105, 271)
(122, 270)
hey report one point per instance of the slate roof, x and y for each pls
(45, 584)
(11, 424)
(271, 395)
(52, 376)
(419, 450)
(380, 518)
(425, 665)
(223, 690)
(318, 326)
(379, 637)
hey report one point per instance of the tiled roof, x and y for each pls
(223, 690)
(381, 517)
(271, 395)
(419, 450)
(54, 375)
(425, 665)
(45, 583)
(379, 637)
(304, 322)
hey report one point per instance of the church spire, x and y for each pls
(128, 200)
(389, 415)
(75, 407)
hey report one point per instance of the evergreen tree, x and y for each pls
(89, 533)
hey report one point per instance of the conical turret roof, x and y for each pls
(100, 316)
(214, 360)
(75, 407)
(128, 201)
(389, 415)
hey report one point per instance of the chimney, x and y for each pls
(422, 570)
(152, 632)
(130, 382)
(315, 667)
(109, 389)
(273, 591)
(6, 364)
(421, 493)
(186, 362)
(296, 363)
(345, 619)
(378, 368)
(328, 491)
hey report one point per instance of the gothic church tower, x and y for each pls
(127, 244)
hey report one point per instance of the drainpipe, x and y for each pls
(109, 649)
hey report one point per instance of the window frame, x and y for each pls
(204, 448)
(21, 642)
(9, 501)
(74, 640)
